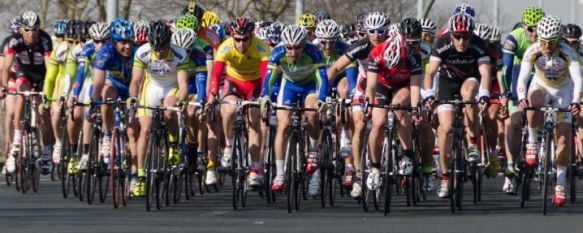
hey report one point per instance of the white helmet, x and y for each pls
(376, 20)
(262, 33)
(496, 37)
(483, 31)
(29, 19)
(327, 29)
(99, 31)
(183, 37)
(549, 27)
(395, 51)
(394, 29)
(294, 35)
(427, 25)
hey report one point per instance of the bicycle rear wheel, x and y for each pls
(365, 195)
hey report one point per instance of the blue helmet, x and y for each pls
(464, 8)
(121, 29)
(60, 27)
(220, 30)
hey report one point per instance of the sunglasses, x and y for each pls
(362, 34)
(531, 29)
(549, 42)
(73, 41)
(459, 36)
(413, 42)
(572, 42)
(327, 42)
(244, 39)
(30, 29)
(98, 41)
(291, 47)
(376, 31)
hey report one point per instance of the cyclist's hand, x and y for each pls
(483, 102)
(523, 104)
(322, 106)
(265, 103)
(182, 104)
(417, 118)
(130, 102)
(575, 108)
(3, 92)
(72, 101)
(211, 100)
(503, 112)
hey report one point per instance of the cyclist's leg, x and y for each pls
(403, 126)
(343, 129)
(447, 89)
(251, 91)
(228, 111)
(468, 92)
(56, 120)
(9, 103)
(512, 129)
(358, 122)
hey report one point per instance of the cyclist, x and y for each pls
(274, 34)
(429, 29)
(245, 58)
(513, 49)
(393, 77)
(209, 18)
(161, 69)
(111, 76)
(328, 36)
(548, 86)
(10, 100)
(82, 87)
(220, 30)
(304, 74)
(202, 32)
(58, 81)
(30, 53)
(376, 27)
(464, 69)
(59, 27)
(308, 21)
(572, 36)
(321, 15)
(359, 25)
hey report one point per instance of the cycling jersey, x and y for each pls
(204, 46)
(4, 44)
(161, 71)
(86, 57)
(242, 67)
(30, 61)
(62, 68)
(396, 76)
(456, 65)
(308, 68)
(116, 67)
(559, 69)
(513, 50)
(349, 72)
(209, 36)
(359, 51)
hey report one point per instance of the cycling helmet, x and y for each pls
(187, 21)
(29, 19)
(464, 8)
(274, 32)
(72, 29)
(496, 37)
(427, 25)
(209, 18)
(194, 9)
(376, 20)
(294, 35)
(531, 15)
(549, 27)
(15, 25)
(121, 29)
(483, 31)
(60, 27)
(410, 27)
(84, 29)
(242, 25)
(141, 28)
(394, 29)
(572, 31)
(321, 15)
(159, 35)
(99, 31)
(262, 33)
(307, 21)
(396, 51)
(220, 30)
(184, 37)
(461, 23)
(327, 29)
(359, 26)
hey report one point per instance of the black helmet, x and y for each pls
(572, 31)
(159, 35)
(410, 27)
(321, 15)
(72, 29)
(194, 9)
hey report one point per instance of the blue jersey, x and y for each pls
(114, 64)
(197, 80)
(308, 68)
(350, 72)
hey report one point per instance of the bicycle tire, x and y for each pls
(290, 179)
(114, 170)
(34, 172)
(103, 177)
(149, 168)
(365, 196)
(572, 170)
(325, 165)
(64, 163)
(92, 167)
(451, 171)
(546, 168)
(389, 170)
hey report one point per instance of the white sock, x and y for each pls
(17, 136)
(532, 135)
(229, 142)
(561, 173)
(316, 175)
(344, 135)
(58, 142)
(313, 144)
(349, 167)
(279, 167)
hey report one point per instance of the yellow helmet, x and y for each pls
(210, 18)
(307, 21)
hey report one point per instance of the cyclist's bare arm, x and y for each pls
(432, 68)
(371, 85)
(484, 68)
(183, 85)
(337, 67)
(137, 78)
(415, 89)
(8, 61)
(98, 82)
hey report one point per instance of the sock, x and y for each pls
(408, 153)
(344, 135)
(313, 144)
(473, 140)
(532, 135)
(17, 136)
(141, 172)
(444, 176)
(561, 173)
(86, 149)
(74, 148)
(172, 138)
(47, 151)
(279, 165)
(229, 142)
(211, 164)
(58, 142)
(510, 165)
(349, 167)
(427, 169)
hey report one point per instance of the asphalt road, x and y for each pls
(47, 211)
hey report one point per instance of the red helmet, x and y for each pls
(242, 25)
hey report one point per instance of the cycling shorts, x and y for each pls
(290, 93)
(122, 88)
(153, 95)
(245, 90)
